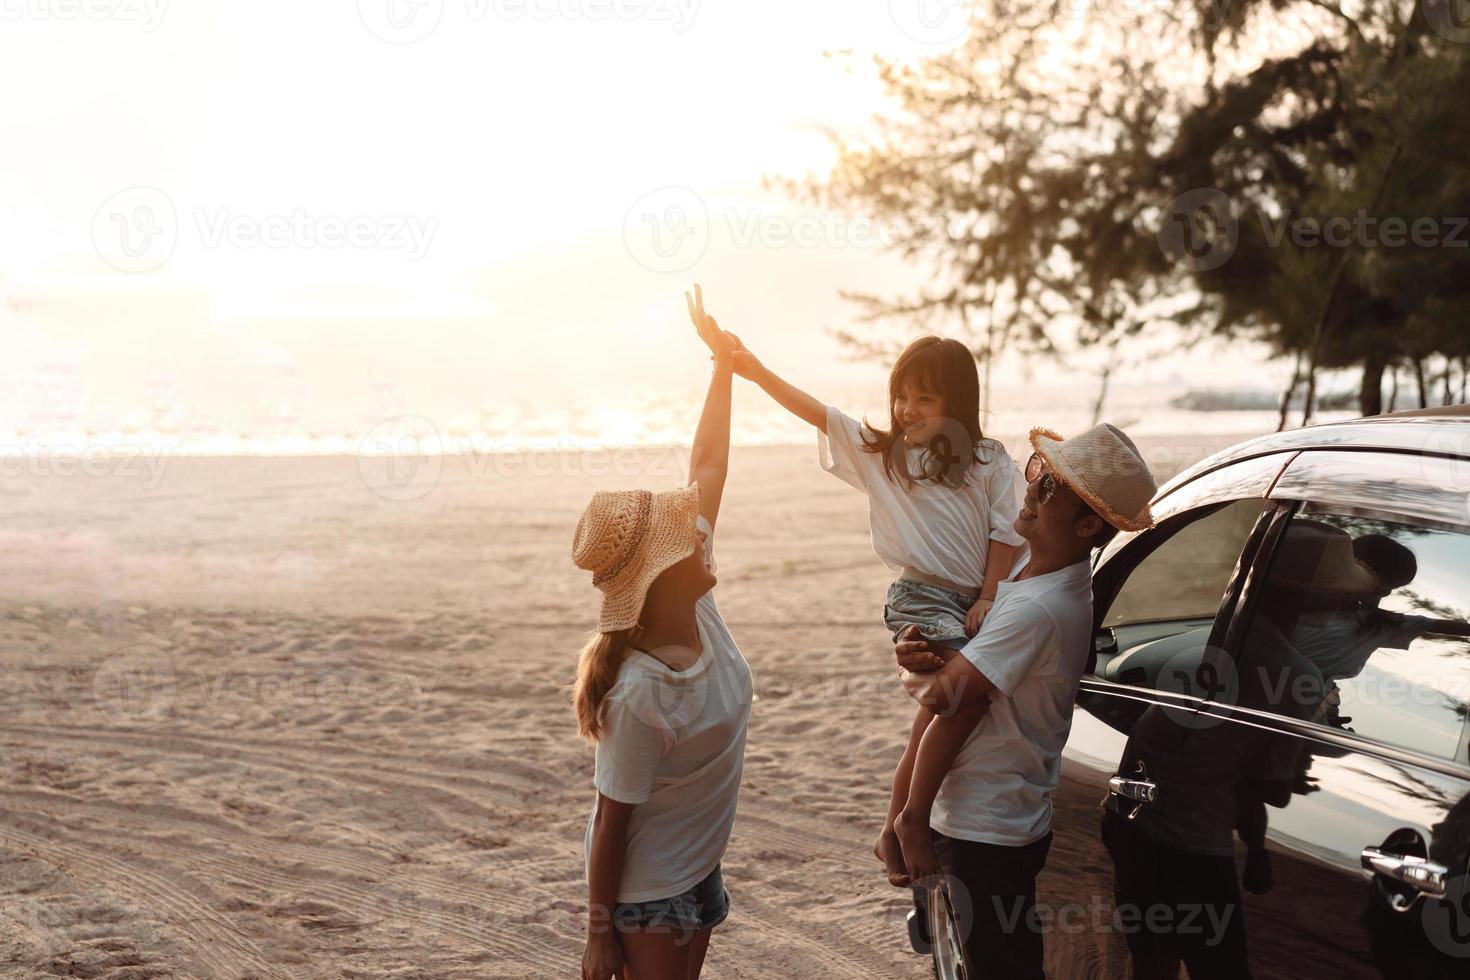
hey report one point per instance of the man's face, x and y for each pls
(1052, 512)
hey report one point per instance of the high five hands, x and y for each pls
(722, 343)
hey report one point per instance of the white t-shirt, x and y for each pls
(1034, 649)
(674, 745)
(938, 529)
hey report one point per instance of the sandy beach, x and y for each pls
(308, 717)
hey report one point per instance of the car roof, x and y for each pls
(1433, 432)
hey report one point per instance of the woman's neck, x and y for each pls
(667, 627)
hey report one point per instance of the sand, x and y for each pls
(308, 717)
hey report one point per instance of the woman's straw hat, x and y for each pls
(1319, 559)
(1105, 469)
(626, 538)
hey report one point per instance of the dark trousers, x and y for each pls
(1178, 906)
(997, 904)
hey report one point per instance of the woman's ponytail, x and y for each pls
(597, 671)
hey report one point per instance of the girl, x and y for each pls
(665, 693)
(942, 502)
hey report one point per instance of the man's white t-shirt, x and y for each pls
(938, 529)
(674, 745)
(1034, 648)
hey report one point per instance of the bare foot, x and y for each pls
(917, 843)
(888, 851)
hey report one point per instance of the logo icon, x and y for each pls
(135, 685)
(931, 21)
(667, 230)
(401, 458)
(1208, 675)
(1200, 229)
(1447, 920)
(400, 21)
(136, 229)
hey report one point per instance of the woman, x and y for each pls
(665, 693)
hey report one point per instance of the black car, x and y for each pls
(1268, 773)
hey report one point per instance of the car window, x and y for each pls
(1185, 577)
(1159, 623)
(1363, 624)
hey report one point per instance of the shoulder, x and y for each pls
(1029, 610)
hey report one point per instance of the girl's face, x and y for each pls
(917, 410)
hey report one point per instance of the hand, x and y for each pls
(603, 957)
(975, 618)
(913, 653)
(746, 364)
(720, 343)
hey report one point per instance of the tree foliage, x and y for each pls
(1236, 168)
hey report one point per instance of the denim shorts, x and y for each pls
(702, 907)
(938, 612)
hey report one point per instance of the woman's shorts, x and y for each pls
(702, 907)
(938, 612)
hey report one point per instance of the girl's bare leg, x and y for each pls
(697, 948)
(938, 746)
(888, 849)
(658, 954)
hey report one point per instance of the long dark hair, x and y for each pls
(947, 368)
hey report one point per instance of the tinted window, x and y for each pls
(1164, 612)
(1186, 576)
(1362, 625)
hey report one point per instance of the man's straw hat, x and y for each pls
(1105, 469)
(1319, 559)
(626, 538)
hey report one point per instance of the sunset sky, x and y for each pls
(298, 219)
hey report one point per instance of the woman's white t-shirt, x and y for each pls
(938, 529)
(674, 744)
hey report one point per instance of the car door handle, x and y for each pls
(1138, 788)
(1418, 873)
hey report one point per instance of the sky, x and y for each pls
(270, 226)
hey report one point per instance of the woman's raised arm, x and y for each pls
(709, 459)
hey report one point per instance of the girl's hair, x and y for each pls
(947, 368)
(597, 670)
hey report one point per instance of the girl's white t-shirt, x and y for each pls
(674, 744)
(936, 528)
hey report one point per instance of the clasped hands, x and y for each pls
(723, 344)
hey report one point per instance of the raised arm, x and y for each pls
(709, 458)
(786, 394)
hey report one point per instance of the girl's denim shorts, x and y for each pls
(938, 612)
(702, 907)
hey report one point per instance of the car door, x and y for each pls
(1161, 596)
(1342, 734)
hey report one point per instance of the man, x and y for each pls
(992, 820)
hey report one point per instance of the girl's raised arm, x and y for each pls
(786, 394)
(709, 459)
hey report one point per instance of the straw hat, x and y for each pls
(1105, 469)
(1319, 559)
(626, 538)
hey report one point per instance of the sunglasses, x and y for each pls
(1036, 470)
